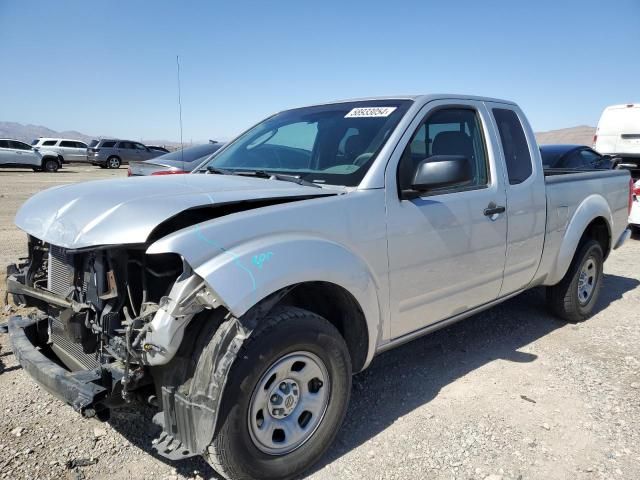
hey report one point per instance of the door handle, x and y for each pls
(494, 210)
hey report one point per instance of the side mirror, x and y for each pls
(439, 171)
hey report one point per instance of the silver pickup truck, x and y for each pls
(239, 300)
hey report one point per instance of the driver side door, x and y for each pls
(446, 248)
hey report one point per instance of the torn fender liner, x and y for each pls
(189, 418)
(75, 388)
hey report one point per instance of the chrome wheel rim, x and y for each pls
(288, 403)
(587, 280)
(113, 163)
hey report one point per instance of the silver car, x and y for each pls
(16, 154)
(180, 161)
(111, 153)
(67, 149)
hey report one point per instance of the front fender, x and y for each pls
(242, 275)
(592, 207)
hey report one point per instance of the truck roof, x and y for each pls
(425, 97)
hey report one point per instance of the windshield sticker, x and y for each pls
(369, 112)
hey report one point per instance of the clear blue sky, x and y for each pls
(108, 67)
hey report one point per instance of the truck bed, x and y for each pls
(569, 192)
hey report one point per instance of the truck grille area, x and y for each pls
(60, 271)
(79, 359)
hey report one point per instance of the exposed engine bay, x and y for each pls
(101, 305)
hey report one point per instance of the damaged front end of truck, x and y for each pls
(109, 330)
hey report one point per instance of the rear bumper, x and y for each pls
(82, 390)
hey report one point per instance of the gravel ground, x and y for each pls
(508, 394)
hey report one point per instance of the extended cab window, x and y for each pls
(449, 131)
(514, 145)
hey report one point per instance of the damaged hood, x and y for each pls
(126, 211)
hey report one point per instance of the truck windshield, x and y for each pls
(333, 144)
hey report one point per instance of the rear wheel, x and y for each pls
(50, 165)
(574, 298)
(286, 397)
(113, 162)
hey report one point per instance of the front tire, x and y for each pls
(50, 165)
(286, 397)
(574, 298)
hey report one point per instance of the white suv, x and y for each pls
(69, 150)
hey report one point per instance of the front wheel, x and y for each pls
(574, 298)
(286, 397)
(50, 165)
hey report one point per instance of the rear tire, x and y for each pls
(113, 162)
(574, 298)
(289, 346)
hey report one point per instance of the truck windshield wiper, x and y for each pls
(218, 171)
(276, 176)
(262, 174)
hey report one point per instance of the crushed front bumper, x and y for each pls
(82, 390)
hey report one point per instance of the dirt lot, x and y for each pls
(511, 393)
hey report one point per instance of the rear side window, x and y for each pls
(514, 145)
(35, 142)
(108, 144)
(49, 143)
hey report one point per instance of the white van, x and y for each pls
(618, 133)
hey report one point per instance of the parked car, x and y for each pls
(577, 157)
(618, 133)
(180, 161)
(241, 300)
(68, 150)
(111, 153)
(634, 216)
(158, 148)
(14, 153)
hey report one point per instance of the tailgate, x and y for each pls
(628, 143)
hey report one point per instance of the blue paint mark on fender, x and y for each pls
(260, 259)
(236, 259)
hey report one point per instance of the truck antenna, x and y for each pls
(180, 111)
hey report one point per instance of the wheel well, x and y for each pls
(340, 308)
(598, 230)
(49, 157)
